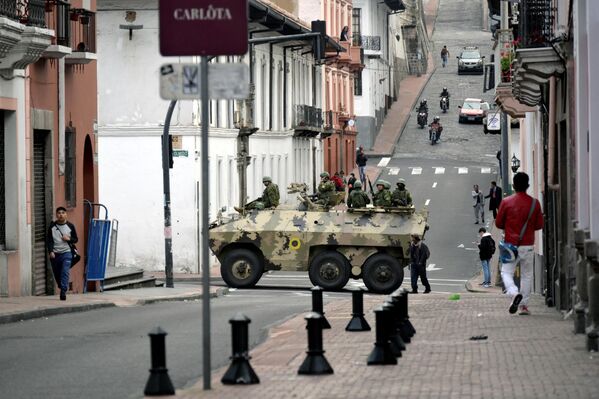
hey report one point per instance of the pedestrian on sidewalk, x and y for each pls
(495, 196)
(478, 202)
(419, 254)
(486, 249)
(361, 160)
(59, 240)
(519, 215)
(444, 56)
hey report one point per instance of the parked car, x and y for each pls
(473, 110)
(470, 61)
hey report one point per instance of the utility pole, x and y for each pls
(504, 36)
(166, 184)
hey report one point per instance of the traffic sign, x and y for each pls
(182, 81)
(201, 27)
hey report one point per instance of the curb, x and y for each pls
(38, 313)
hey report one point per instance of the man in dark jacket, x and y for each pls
(486, 249)
(495, 196)
(361, 160)
(59, 240)
(419, 254)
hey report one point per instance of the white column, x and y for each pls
(581, 54)
(593, 87)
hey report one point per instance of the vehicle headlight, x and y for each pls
(460, 62)
(479, 62)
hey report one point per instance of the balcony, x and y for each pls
(307, 121)
(371, 45)
(23, 36)
(532, 69)
(57, 19)
(535, 26)
(83, 37)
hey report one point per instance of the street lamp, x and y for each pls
(515, 163)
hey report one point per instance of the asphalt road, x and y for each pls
(106, 353)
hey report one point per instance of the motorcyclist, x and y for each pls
(436, 124)
(423, 107)
(444, 93)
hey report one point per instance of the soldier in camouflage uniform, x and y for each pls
(382, 198)
(401, 196)
(357, 198)
(326, 190)
(269, 199)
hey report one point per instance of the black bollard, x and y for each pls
(240, 371)
(401, 330)
(357, 322)
(403, 302)
(315, 363)
(159, 383)
(395, 336)
(317, 305)
(394, 342)
(382, 353)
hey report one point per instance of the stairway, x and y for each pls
(125, 278)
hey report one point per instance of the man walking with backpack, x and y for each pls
(486, 249)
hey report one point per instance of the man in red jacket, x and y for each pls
(514, 212)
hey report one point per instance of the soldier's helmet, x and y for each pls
(387, 184)
(325, 174)
(437, 119)
(401, 181)
(266, 179)
(380, 182)
(358, 184)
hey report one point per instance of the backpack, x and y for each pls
(492, 243)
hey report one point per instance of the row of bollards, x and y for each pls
(393, 331)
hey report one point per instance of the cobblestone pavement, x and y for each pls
(534, 356)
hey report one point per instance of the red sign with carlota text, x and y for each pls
(203, 27)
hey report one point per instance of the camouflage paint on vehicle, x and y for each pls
(290, 239)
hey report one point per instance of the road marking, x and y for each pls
(485, 170)
(383, 162)
(357, 284)
(490, 155)
(462, 171)
(447, 279)
(432, 267)
(394, 171)
(428, 201)
(462, 245)
(439, 170)
(416, 170)
(434, 184)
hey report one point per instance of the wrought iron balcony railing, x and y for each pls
(371, 43)
(28, 12)
(307, 116)
(536, 23)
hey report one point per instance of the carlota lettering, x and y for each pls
(209, 13)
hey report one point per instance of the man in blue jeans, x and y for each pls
(61, 236)
(486, 249)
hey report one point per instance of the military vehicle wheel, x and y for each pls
(329, 270)
(241, 268)
(382, 273)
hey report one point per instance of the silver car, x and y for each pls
(470, 61)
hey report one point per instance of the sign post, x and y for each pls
(204, 28)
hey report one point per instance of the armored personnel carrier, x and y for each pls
(332, 246)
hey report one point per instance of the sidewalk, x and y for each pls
(30, 307)
(533, 356)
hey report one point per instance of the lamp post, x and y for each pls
(515, 163)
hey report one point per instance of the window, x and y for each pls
(358, 83)
(355, 27)
(70, 171)
(2, 189)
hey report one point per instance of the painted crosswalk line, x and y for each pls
(485, 170)
(432, 267)
(439, 170)
(393, 171)
(416, 170)
(383, 162)
(462, 171)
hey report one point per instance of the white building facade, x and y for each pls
(287, 85)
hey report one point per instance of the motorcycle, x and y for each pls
(444, 104)
(434, 134)
(422, 119)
